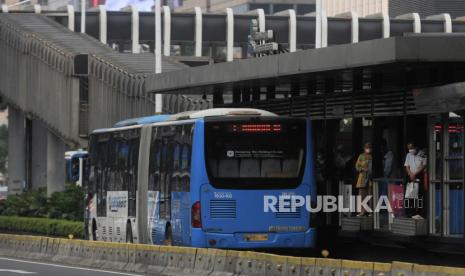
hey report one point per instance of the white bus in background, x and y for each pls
(76, 162)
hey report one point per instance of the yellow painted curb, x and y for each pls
(357, 265)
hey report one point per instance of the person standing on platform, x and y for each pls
(364, 179)
(390, 168)
(415, 165)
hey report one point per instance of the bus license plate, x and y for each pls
(256, 237)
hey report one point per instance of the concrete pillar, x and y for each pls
(55, 164)
(38, 155)
(48, 159)
(47, 156)
(16, 151)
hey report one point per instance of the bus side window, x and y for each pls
(177, 156)
(177, 145)
(186, 154)
(170, 158)
(165, 162)
(169, 147)
(155, 161)
(99, 158)
(75, 169)
(92, 185)
(114, 162)
(85, 174)
(119, 162)
(133, 159)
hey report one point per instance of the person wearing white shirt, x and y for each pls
(415, 165)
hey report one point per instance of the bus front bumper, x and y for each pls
(246, 240)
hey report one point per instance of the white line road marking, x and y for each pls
(71, 267)
(17, 271)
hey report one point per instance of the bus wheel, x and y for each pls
(129, 238)
(168, 236)
(94, 230)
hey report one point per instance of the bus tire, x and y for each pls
(168, 236)
(94, 230)
(129, 237)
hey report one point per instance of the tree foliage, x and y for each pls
(68, 205)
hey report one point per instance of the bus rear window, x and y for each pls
(255, 155)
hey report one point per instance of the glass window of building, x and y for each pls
(219, 54)
(282, 7)
(304, 9)
(241, 8)
(265, 7)
(237, 53)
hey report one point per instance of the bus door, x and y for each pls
(156, 202)
(166, 172)
(170, 175)
(159, 184)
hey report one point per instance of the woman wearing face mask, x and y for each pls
(363, 167)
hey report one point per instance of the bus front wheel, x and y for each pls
(168, 236)
(129, 237)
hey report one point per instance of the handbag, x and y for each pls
(411, 191)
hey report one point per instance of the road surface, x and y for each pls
(15, 267)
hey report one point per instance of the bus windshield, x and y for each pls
(263, 154)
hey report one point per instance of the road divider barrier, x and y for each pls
(172, 260)
(402, 269)
(382, 269)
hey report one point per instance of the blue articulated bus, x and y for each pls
(200, 178)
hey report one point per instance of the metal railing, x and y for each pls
(381, 187)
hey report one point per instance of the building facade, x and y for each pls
(45, 4)
(362, 7)
(427, 7)
(395, 7)
(332, 7)
(242, 6)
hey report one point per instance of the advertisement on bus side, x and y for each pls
(117, 204)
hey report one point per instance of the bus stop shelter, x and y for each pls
(386, 91)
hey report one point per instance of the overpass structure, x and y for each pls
(224, 36)
(61, 80)
(60, 85)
